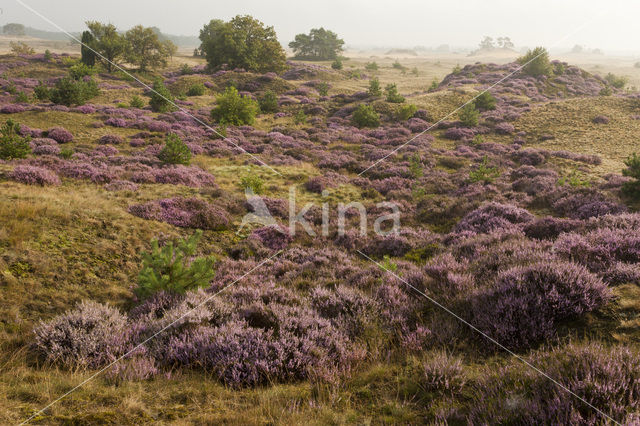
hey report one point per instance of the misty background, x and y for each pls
(610, 26)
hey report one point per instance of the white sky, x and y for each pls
(612, 25)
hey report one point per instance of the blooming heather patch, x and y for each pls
(32, 175)
(59, 134)
(183, 212)
(525, 305)
(90, 335)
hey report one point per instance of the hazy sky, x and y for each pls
(612, 25)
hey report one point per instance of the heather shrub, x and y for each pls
(442, 373)
(12, 145)
(492, 216)
(365, 116)
(59, 135)
(405, 112)
(268, 102)
(172, 268)
(175, 151)
(485, 102)
(274, 237)
(469, 115)
(374, 88)
(237, 355)
(88, 336)
(196, 90)
(601, 119)
(110, 140)
(600, 248)
(161, 99)
(346, 308)
(33, 175)
(392, 95)
(232, 108)
(537, 62)
(604, 376)
(183, 212)
(525, 305)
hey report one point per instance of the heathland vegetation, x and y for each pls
(131, 231)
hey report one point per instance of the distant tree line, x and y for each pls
(139, 46)
(501, 43)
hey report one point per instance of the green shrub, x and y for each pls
(374, 88)
(391, 92)
(405, 112)
(397, 65)
(415, 166)
(175, 151)
(253, 182)
(171, 269)
(575, 178)
(47, 55)
(323, 89)
(66, 152)
(231, 108)
(469, 115)
(161, 99)
(365, 116)
(415, 71)
(185, 69)
(136, 102)
(484, 173)
(456, 70)
(434, 85)
(537, 61)
(371, 66)
(12, 145)
(477, 140)
(41, 92)
(69, 91)
(80, 70)
(197, 89)
(485, 101)
(337, 64)
(616, 81)
(22, 98)
(300, 117)
(268, 102)
(632, 188)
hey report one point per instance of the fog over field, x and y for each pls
(610, 26)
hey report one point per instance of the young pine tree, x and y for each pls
(175, 151)
(170, 268)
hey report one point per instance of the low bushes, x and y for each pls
(525, 304)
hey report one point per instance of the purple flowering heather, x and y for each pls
(526, 304)
(59, 134)
(33, 175)
(183, 212)
(90, 335)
